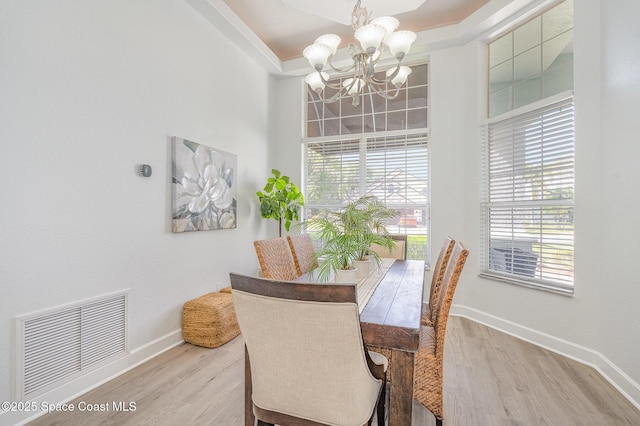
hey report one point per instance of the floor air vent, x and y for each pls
(61, 344)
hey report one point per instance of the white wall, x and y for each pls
(620, 196)
(599, 325)
(88, 89)
(289, 98)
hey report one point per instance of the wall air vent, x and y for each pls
(60, 344)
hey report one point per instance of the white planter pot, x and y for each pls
(347, 276)
(363, 267)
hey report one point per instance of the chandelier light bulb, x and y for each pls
(331, 40)
(315, 81)
(370, 37)
(401, 77)
(317, 55)
(400, 42)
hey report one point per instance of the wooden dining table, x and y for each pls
(390, 320)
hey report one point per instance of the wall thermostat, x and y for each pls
(144, 170)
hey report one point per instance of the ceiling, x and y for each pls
(286, 27)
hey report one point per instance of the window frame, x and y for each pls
(486, 270)
(364, 141)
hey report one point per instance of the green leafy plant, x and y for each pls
(373, 228)
(280, 199)
(347, 234)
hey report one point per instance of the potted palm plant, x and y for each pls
(347, 234)
(373, 231)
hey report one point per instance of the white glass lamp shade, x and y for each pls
(315, 82)
(317, 55)
(400, 42)
(389, 23)
(370, 36)
(355, 87)
(331, 40)
(401, 77)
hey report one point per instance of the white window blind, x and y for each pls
(527, 207)
(394, 169)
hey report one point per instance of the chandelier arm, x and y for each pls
(377, 59)
(386, 93)
(376, 83)
(381, 82)
(330, 85)
(370, 70)
(342, 90)
(338, 69)
(334, 98)
(389, 78)
(333, 86)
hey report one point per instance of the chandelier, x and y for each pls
(372, 36)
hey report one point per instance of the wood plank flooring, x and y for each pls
(491, 379)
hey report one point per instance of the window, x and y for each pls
(374, 113)
(532, 62)
(527, 209)
(378, 148)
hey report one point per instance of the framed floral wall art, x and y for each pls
(204, 187)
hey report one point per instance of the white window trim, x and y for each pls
(539, 284)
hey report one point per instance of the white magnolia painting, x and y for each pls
(204, 187)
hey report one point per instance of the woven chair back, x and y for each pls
(304, 256)
(449, 284)
(276, 260)
(439, 270)
(429, 361)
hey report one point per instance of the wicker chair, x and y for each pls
(428, 366)
(436, 282)
(303, 253)
(307, 361)
(275, 259)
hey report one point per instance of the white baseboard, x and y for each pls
(614, 375)
(93, 379)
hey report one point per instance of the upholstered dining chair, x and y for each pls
(398, 252)
(436, 282)
(303, 253)
(308, 364)
(429, 361)
(276, 260)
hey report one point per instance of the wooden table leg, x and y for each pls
(401, 392)
(249, 418)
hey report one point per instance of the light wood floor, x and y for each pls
(491, 379)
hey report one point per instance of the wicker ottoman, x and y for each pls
(209, 320)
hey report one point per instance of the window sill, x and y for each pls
(536, 285)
